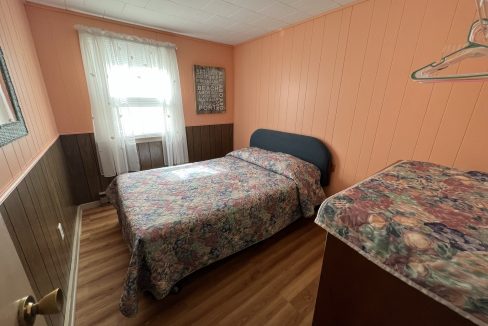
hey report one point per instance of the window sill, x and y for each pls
(148, 139)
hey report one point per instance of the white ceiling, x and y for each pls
(224, 21)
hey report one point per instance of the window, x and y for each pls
(135, 93)
(139, 93)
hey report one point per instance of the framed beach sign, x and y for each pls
(209, 89)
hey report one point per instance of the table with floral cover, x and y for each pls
(426, 224)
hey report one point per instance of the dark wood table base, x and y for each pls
(355, 291)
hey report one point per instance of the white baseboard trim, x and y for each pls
(69, 311)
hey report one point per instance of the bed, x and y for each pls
(177, 220)
(407, 246)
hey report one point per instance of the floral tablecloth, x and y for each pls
(427, 224)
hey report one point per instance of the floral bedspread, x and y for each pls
(177, 220)
(424, 223)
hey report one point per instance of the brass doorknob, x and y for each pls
(51, 303)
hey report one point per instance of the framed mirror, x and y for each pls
(12, 124)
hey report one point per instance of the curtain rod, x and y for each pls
(120, 36)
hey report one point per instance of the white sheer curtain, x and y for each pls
(135, 93)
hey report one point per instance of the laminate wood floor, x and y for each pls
(271, 283)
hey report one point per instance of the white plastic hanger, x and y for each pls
(477, 46)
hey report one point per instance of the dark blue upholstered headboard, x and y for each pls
(306, 148)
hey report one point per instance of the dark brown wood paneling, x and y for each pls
(43, 243)
(83, 167)
(46, 220)
(81, 189)
(218, 141)
(150, 155)
(144, 156)
(39, 189)
(227, 131)
(51, 196)
(104, 181)
(157, 157)
(189, 141)
(355, 291)
(197, 143)
(32, 213)
(208, 142)
(204, 143)
(90, 166)
(40, 233)
(212, 140)
(27, 240)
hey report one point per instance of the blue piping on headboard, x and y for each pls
(307, 148)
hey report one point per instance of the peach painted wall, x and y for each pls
(59, 53)
(23, 64)
(344, 77)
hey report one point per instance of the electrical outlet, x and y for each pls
(60, 229)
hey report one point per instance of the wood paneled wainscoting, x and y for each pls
(208, 142)
(84, 170)
(32, 213)
(204, 143)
